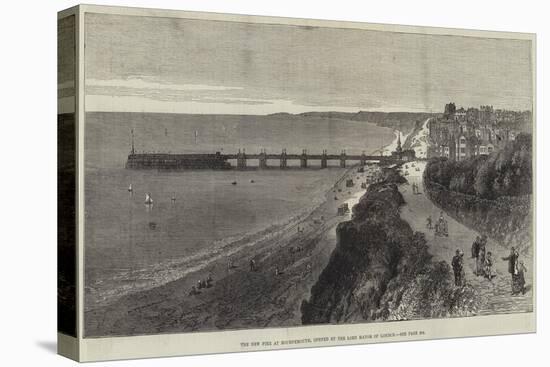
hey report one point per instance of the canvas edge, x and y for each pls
(67, 345)
(172, 345)
(181, 344)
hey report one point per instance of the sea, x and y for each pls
(197, 216)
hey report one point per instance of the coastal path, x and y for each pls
(496, 294)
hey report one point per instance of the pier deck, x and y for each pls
(221, 161)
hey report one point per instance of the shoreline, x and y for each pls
(169, 271)
(299, 256)
(229, 247)
(298, 251)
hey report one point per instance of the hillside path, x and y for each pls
(497, 294)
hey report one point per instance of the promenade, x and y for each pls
(496, 294)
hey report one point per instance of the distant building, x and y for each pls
(450, 109)
(399, 153)
(462, 133)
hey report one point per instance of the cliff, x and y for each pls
(404, 121)
(382, 270)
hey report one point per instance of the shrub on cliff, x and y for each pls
(431, 294)
(507, 172)
(382, 199)
(391, 176)
(440, 170)
(363, 261)
(490, 194)
(380, 269)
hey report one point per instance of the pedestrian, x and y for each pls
(520, 278)
(440, 221)
(475, 247)
(429, 222)
(441, 226)
(488, 267)
(512, 267)
(482, 249)
(462, 272)
(484, 240)
(458, 267)
(481, 259)
(252, 265)
(475, 254)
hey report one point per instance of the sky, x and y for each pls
(66, 48)
(150, 64)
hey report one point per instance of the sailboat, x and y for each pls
(130, 189)
(148, 199)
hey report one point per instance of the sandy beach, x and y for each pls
(288, 261)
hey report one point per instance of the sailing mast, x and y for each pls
(133, 150)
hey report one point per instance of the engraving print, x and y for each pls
(246, 175)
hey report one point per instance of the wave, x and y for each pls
(129, 281)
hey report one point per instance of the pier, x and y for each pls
(304, 158)
(242, 159)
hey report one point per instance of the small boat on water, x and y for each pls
(148, 199)
(234, 183)
(130, 189)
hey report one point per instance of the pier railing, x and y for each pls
(221, 161)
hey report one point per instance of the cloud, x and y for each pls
(227, 106)
(143, 84)
(190, 96)
(146, 88)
